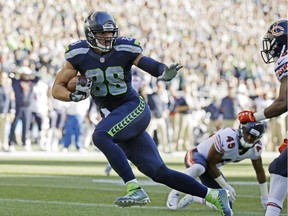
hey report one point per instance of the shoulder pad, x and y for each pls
(259, 146)
(281, 66)
(224, 138)
(76, 48)
(128, 44)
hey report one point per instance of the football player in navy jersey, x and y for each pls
(275, 50)
(106, 60)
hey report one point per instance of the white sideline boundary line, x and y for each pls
(152, 183)
(95, 154)
(116, 181)
(113, 181)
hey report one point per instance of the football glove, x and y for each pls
(246, 116)
(232, 193)
(82, 91)
(170, 72)
(264, 201)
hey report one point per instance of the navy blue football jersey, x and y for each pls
(110, 72)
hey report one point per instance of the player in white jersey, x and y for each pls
(224, 146)
(40, 105)
(275, 50)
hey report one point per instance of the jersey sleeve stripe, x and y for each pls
(189, 158)
(282, 71)
(128, 48)
(217, 144)
(74, 52)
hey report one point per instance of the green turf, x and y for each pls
(76, 186)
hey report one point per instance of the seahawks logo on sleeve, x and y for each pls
(128, 44)
(76, 48)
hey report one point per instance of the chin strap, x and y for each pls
(241, 149)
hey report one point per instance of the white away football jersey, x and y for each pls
(280, 67)
(226, 142)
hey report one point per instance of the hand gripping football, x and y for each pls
(71, 85)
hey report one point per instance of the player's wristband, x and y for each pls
(221, 181)
(263, 189)
(259, 116)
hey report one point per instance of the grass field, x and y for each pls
(73, 184)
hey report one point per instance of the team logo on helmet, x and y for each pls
(277, 30)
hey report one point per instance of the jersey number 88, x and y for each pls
(109, 81)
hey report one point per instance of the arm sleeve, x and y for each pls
(151, 66)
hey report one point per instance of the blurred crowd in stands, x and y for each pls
(218, 43)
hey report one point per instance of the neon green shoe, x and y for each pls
(219, 198)
(136, 196)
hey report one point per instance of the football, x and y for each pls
(71, 85)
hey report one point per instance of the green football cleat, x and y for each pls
(136, 197)
(219, 198)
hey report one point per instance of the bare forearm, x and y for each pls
(261, 177)
(60, 92)
(277, 108)
(59, 89)
(213, 170)
(259, 170)
(279, 105)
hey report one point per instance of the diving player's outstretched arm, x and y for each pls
(280, 104)
(278, 107)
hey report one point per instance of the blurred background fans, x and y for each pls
(218, 42)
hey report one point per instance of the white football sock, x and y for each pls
(278, 189)
(272, 211)
(277, 194)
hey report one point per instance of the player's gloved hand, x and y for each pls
(170, 72)
(232, 193)
(246, 116)
(264, 201)
(82, 90)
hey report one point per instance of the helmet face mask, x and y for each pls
(250, 133)
(275, 41)
(101, 31)
(267, 52)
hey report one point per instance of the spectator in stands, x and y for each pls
(74, 124)
(22, 82)
(228, 110)
(213, 110)
(159, 114)
(184, 106)
(30, 29)
(40, 106)
(5, 105)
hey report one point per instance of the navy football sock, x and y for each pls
(180, 181)
(114, 154)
